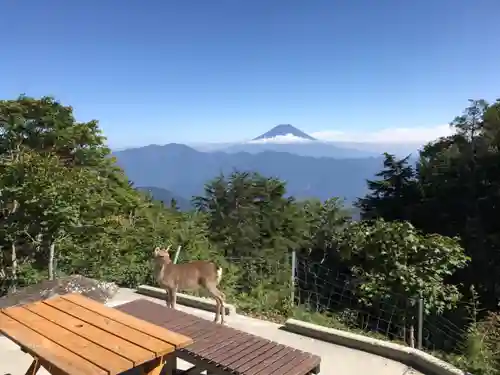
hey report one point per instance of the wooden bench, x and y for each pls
(224, 350)
(72, 334)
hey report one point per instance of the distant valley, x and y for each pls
(183, 171)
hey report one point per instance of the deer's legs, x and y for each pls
(222, 308)
(219, 302)
(217, 309)
(173, 298)
(167, 297)
(222, 297)
(170, 297)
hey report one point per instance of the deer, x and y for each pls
(188, 276)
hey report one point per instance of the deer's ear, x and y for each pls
(156, 251)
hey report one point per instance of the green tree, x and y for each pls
(453, 192)
(11, 229)
(324, 221)
(391, 196)
(459, 177)
(57, 180)
(249, 215)
(255, 226)
(46, 126)
(54, 197)
(393, 258)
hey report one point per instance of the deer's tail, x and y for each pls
(219, 274)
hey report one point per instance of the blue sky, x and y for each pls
(223, 70)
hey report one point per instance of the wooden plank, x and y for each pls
(39, 346)
(264, 364)
(94, 353)
(309, 365)
(238, 351)
(230, 361)
(132, 352)
(242, 360)
(159, 315)
(132, 335)
(283, 365)
(219, 342)
(268, 356)
(173, 338)
(179, 323)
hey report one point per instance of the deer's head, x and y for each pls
(162, 255)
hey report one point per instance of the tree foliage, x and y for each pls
(458, 181)
(394, 259)
(391, 196)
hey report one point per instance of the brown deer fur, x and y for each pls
(188, 276)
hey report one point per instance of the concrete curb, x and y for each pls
(185, 299)
(406, 355)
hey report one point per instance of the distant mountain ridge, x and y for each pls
(287, 138)
(311, 169)
(184, 171)
(339, 150)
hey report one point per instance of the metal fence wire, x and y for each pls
(316, 289)
(323, 290)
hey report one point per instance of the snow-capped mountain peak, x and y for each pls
(283, 134)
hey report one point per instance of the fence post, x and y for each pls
(177, 254)
(292, 281)
(420, 322)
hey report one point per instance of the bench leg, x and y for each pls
(171, 365)
(166, 363)
(35, 366)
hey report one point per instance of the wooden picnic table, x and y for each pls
(72, 334)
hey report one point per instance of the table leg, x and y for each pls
(37, 363)
(155, 367)
(47, 366)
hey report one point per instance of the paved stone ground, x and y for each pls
(335, 360)
(97, 290)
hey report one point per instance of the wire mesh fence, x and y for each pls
(323, 290)
(312, 288)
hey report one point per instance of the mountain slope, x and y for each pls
(166, 197)
(184, 171)
(314, 149)
(340, 150)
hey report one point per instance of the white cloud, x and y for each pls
(289, 138)
(394, 135)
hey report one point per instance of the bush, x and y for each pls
(481, 349)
